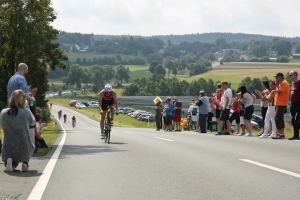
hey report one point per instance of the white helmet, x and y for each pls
(108, 88)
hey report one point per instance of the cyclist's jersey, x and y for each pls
(65, 116)
(107, 96)
(73, 118)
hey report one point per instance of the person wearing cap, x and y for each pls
(203, 104)
(281, 101)
(295, 104)
(18, 81)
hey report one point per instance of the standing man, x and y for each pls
(169, 108)
(295, 104)
(18, 81)
(225, 108)
(203, 104)
(281, 101)
(177, 113)
(158, 116)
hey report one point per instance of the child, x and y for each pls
(39, 141)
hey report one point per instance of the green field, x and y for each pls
(236, 72)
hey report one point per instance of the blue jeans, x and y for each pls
(202, 122)
(157, 120)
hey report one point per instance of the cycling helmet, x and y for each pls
(108, 88)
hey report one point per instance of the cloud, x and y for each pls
(161, 17)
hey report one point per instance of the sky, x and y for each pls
(178, 17)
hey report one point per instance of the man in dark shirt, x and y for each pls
(177, 113)
(158, 116)
(295, 104)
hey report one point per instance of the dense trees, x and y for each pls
(26, 36)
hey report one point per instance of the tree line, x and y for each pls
(160, 85)
(96, 75)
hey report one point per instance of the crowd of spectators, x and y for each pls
(226, 109)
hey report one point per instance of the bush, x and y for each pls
(46, 114)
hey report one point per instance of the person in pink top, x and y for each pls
(236, 114)
(217, 101)
(295, 104)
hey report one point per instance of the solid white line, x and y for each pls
(40, 186)
(164, 139)
(272, 168)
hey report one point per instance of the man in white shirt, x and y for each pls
(225, 108)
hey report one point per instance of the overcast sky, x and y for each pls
(164, 17)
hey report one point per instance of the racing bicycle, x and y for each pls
(107, 126)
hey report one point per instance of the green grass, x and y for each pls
(93, 113)
(236, 72)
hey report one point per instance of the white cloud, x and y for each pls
(161, 17)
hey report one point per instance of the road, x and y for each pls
(147, 164)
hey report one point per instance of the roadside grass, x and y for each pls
(121, 120)
(50, 134)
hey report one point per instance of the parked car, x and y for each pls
(85, 103)
(127, 110)
(72, 103)
(80, 105)
(93, 104)
(121, 110)
(258, 119)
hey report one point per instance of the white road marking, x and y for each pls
(128, 132)
(40, 186)
(164, 139)
(272, 168)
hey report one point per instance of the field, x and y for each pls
(236, 72)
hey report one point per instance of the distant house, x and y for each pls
(82, 51)
(245, 57)
(272, 53)
(181, 51)
(296, 56)
(77, 47)
(161, 51)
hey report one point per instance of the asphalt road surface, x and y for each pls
(148, 164)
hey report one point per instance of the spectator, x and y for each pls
(264, 102)
(217, 102)
(270, 115)
(17, 144)
(18, 81)
(169, 108)
(177, 113)
(236, 114)
(225, 106)
(164, 115)
(39, 140)
(210, 114)
(295, 104)
(194, 115)
(247, 100)
(281, 101)
(242, 109)
(158, 116)
(203, 104)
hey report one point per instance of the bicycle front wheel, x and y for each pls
(108, 130)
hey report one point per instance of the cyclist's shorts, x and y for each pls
(106, 103)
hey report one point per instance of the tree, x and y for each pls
(26, 36)
(159, 69)
(152, 66)
(155, 56)
(109, 73)
(170, 66)
(75, 75)
(297, 47)
(122, 73)
(97, 77)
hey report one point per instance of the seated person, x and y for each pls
(39, 141)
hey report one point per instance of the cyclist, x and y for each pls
(73, 121)
(65, 118)
(59, 114)
(107, 97)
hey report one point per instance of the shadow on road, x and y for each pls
(19, 173)
(84, 150)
